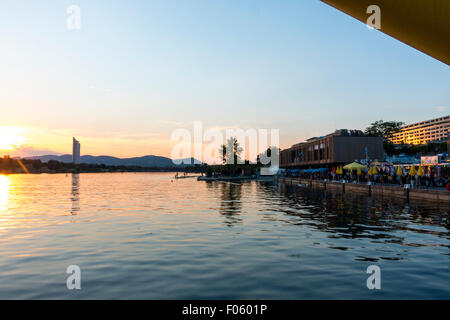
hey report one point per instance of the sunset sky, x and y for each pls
(138, 70)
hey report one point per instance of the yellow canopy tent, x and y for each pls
(358, 171)
(374, 170)
(413, 171)
(354, 165)
(421, 173)
(399, 171)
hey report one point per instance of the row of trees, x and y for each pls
(233, 163)
(231, 153)
(10, 165)
(231, 159)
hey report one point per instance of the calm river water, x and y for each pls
(144, 236)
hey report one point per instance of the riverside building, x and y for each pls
(435, 130)
(341, 147)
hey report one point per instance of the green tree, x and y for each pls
(231, 151)
(384, 129)
(268, 153)
(223, 151)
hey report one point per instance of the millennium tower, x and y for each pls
(76, 151)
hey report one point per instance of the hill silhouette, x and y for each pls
(145, 161)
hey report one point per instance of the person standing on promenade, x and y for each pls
(432, 182)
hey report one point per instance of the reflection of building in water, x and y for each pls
(231, 204)
(354, 215)
(75, 193)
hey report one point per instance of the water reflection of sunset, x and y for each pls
(149, 228)
(4, 193)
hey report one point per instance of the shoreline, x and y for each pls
(409, 194)
(82, 172)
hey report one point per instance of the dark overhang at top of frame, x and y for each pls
(422, 24)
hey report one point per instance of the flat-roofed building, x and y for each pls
(341, 147)
(435, 130)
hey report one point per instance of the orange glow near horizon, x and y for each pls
(31, 141)
(11, 137)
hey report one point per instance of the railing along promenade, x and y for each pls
(385, 190)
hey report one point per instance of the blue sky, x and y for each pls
(137, 70)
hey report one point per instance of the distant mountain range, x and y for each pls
(145, 161)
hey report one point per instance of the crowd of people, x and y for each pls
(415, 176)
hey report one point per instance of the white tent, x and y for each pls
(271, 171)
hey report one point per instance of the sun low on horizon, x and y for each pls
(11, 138)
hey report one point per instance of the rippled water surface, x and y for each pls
(144, 236)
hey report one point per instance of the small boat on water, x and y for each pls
(184, 176)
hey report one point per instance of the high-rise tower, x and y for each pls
(76, 151)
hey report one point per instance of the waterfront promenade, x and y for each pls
(384, 190)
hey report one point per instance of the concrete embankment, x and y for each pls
(373, 190)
